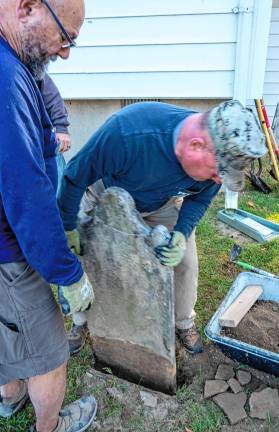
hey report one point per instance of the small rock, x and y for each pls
(232, 405)
(115, 393)
(148, 399)
(214, 387)
(235, 386)
(264, 403)
(96, 426)
(243, 377)
(110, 426)
(224, 372)
(160, 413)
(171, 404)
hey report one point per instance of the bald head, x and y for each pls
(30, 29)
(72, 11)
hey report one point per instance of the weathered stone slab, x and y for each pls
(244, 377)
(264, 403)
(132, 319)
(224, 372)
(234, 385)
(149, 399)
(214, 387)
(232, 405)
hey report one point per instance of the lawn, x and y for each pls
(216, 276)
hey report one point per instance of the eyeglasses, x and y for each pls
(71, 43)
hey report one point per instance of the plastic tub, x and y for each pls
(258, 358)
(256, 227)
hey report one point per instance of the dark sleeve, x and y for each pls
(27, 192)
(54, 105)
(194, 207)
(104, 155)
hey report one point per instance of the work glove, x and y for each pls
(172, 254)
(77, 297)
(73, 241)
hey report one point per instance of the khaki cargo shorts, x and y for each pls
(32, 336)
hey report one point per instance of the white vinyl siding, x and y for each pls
(152, 49)
(271, 84)
(179, 49)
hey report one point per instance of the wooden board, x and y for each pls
(239, 308)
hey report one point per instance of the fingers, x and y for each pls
(64, 146)
(64, 141)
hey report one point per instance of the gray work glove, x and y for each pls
(73, 240)
(172, 254)
(77, 297)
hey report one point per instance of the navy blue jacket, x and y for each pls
(30, 224)
(134, 150)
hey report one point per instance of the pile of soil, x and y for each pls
(259, 327)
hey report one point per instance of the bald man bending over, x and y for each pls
(33, 248)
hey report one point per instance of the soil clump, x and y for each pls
(260, 326)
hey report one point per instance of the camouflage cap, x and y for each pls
(238, 139)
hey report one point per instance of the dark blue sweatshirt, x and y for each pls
(30, 225)
(134, 150)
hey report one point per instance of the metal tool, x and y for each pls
(255, 178)
(235, 252)
(272, 139)
(268, 140)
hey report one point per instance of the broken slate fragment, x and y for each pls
(148, 399)
(243, 377)
(160, 413)
(214, 387)
(114, 393)
(232, 405)
(235, 386)
(264, 403)
(224, 372)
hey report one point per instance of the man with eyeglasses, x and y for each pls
(33, 248)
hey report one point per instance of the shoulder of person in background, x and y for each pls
(57, 112)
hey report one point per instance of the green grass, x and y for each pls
(216, 276)
(216, 271)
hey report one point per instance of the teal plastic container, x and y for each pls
(252, 225)
(243, 352)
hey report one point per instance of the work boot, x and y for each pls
(77, 416)
(190, 339)
(76, 338)
(10, 406)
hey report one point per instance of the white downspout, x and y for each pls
(243, 45)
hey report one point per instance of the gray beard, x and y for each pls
(37, 69)
(35, 56)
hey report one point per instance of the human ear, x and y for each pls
(24, 8)
(197, 143)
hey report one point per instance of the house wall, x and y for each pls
(271, 78)
(152, 49)
(271, 84)
(87, 115)
(180, 52)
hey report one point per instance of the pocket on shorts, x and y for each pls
(12, 345)
(12, 273)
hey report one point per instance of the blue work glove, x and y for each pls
(77, 297)
(172, 254)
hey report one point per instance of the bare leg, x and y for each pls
(10, 390)
(47, 393)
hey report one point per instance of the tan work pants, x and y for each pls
(185, 274)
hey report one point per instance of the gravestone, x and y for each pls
(132, 319)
